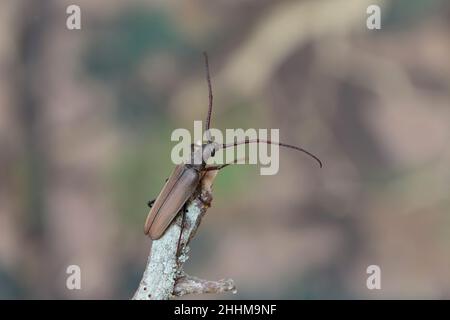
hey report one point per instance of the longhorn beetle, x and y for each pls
(184, 179)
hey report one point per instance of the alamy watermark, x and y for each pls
(73, 281)
(373, 21)
(264, 154)
(73, 21)
(374, 278)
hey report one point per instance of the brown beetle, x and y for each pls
(185, 178)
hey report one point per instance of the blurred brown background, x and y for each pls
(86, 117)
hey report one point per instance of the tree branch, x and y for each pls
(164, 277)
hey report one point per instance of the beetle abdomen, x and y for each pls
(178, 189)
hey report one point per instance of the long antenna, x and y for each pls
(247, 141)
(208, 79)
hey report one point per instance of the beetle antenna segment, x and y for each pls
(247, 141)
(208, 79)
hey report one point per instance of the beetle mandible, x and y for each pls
(184, 179)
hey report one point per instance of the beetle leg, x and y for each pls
(212, 167)
(150, 203)
(215, 167)
(183, 218)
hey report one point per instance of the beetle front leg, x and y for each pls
(213, 167)
(218, 167)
